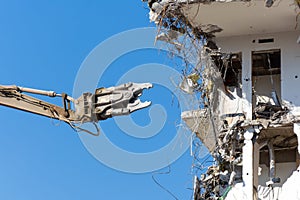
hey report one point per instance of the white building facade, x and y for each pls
(251, 121)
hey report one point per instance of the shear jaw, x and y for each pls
(120, 100)
(131, 94)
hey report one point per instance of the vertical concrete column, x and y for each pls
(247, 83)
(248, 164)
(255, 168)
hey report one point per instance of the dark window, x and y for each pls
(230, 66)
(266, 62)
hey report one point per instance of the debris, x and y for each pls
(216, 77)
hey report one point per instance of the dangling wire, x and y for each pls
(270, 68)
(77, 128)
(161, 186)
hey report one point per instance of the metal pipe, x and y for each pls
(272, 170)
(261, 145)
(29, 90)
(36, 91)
(231, 179)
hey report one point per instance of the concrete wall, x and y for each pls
(290, 63)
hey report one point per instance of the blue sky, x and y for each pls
(42, 45)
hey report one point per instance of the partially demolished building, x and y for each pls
(247, 72)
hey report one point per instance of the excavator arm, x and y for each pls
(104, 103)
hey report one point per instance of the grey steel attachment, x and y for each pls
(120, 100)
(103, 104)
(110, 102)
